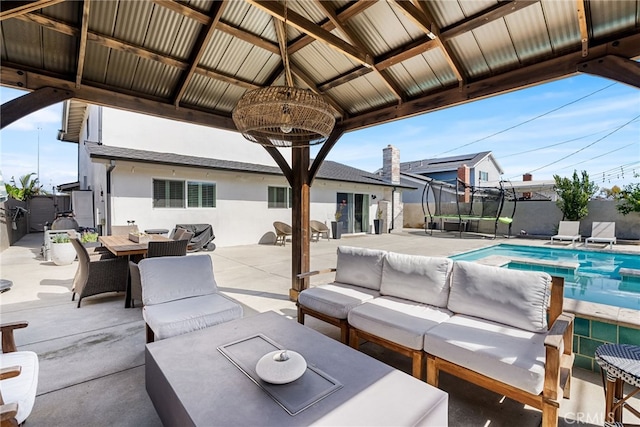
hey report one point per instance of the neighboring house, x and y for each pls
(159, 173)
(475, 169)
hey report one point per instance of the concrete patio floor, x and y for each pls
(92, 358)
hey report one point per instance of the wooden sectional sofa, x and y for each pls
(498, 328)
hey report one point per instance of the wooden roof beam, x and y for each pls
(13, 9)
(117, 44)
(498, 11)
(82, 43)
(349, 12)
(12, 75)
(353, 38)
(311, 85)
(225, 27)
(612, 60)
(581, 9)
(198, 50)
(426, 43)
(304, 25)
(426, 23)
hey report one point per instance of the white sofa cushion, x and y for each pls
(398, 320)
(417, 278)
(510, 355)
(515, 298)
(359, 267)
(21, 389)
(335, 299)
(176, 277)
(190, 314)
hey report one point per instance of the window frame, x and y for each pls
(274, 204)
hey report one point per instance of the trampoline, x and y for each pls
(456, 206)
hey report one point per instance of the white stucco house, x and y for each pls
(159, 173)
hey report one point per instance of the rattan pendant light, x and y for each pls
(284, 116)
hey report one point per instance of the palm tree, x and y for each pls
(29, 187)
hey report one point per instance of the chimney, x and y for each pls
(391, 164)
(464, 176)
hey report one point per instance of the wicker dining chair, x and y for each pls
(167, 248)
(97, 275)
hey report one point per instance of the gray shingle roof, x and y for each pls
(329, 170)
(444, 163)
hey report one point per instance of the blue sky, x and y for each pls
(583, 123)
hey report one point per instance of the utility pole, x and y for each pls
(39, 129)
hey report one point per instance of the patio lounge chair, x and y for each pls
(318, 229)
(19, 378)
(568, 230)
(282, 231)
(180, 295)
(602, 232)
(156, 249)
(96, 275)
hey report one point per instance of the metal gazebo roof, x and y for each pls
(374, 61)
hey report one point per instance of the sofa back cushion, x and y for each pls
(359, 267)
(172, 278)
(511, 297)
(417, 278)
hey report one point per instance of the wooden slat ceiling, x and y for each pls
(374, 61)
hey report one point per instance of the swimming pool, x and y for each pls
(597, 278)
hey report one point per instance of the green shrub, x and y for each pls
(61, 238)
(88, 237)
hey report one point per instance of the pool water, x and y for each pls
(597, 278)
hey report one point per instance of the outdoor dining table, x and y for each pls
(120, 245)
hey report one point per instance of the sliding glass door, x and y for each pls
(354, 210)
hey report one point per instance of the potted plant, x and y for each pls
(62, 251)
(336, 226)
(378, 223)
(89, 239)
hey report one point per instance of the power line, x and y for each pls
(601, 155)
(557, 143)
(586, 146)
(526, 121)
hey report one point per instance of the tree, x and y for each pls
(29, 187)
(574, 195)
(610, 193)
(629, 199)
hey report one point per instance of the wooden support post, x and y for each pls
(300, 238)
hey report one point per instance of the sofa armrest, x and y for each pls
(8, 342)
(558, 331)
(8, 412)
(10, 372)
(559, 358)
(315, 273)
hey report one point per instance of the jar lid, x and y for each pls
(281, 367)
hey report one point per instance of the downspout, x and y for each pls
(393, 209)
(110, 168)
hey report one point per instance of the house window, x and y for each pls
(201, 194)
(484, 176)
(279, 197)
(168, 194)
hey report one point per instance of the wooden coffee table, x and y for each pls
(194, 380)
